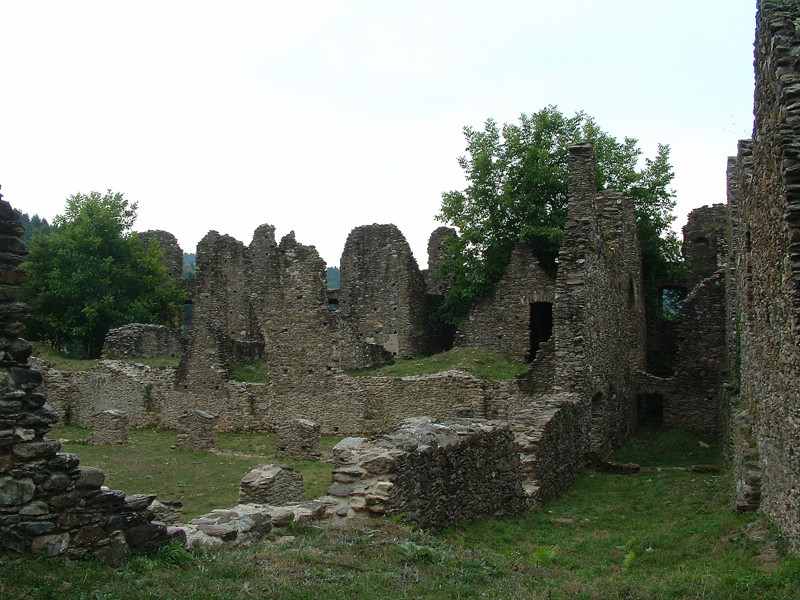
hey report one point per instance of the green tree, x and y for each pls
(517, 190)
(92, 273)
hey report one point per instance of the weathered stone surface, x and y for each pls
(434, 475)
(516, 317)
(199, 431)
(298, 439)
(271, 484)
(142, 340)
(109, 428)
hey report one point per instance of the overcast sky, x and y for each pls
(319, 116)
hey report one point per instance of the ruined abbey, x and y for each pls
(729, 360)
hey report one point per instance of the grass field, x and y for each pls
(201, 480)
(665, 532)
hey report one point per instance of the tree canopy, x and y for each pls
(91, 273)
(517, 191)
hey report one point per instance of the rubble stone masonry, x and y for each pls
(766, 257)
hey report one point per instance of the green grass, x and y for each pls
(61, 361)
(202, 481)
(257, 372)
(650, 535)
(483, 364)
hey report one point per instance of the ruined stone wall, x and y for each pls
(598, 315)
(171, 251)
(501, 321)
(49, 504)
(142, 340)
(382, 290)
(768, 265)
(437, 252)
(695, 389)
(705, 245)
(340, 404)
(434, 475)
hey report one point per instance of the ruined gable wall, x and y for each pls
(768, 269)
(599, 323)
(382, 290)
(437, 252)
(500, 321)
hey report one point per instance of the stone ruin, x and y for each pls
(298, 439)
(271, 484)
(109, 428)
(435, 475)
(49, 504)
(198, 431)
(730, 361)
(140, 340)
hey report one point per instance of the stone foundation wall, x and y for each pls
(434, 475)
(109, 428)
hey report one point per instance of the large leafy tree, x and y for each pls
(91, 273)
(517, 190)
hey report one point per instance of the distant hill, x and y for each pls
(333, 278)
(189, 266)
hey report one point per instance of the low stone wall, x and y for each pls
(340, 404)
(435, 475)
(142, 340)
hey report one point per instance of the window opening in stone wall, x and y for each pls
(650, 408)
(541, 326)
(333, 303)
(597, 407)
(186, 318)
(671, 301)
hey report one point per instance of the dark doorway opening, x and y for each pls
(541, 325)
(651, 409)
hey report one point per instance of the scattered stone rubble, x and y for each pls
(109, 428)
(298, 439)
(271, 484)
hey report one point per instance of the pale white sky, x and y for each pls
(321, 115)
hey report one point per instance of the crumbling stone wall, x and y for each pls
(171, 251)
(694, 392)
(382, 290)
(142, 340)
(434, 475)
(437, 252)
(49, 504)
(271, 484)
(503, 320)
(598, 314)
(705, 245)
(767, 262)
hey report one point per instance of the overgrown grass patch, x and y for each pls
(201, 480)
(63, 362)
(257, 372)
(651, 535)
(483, 364)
